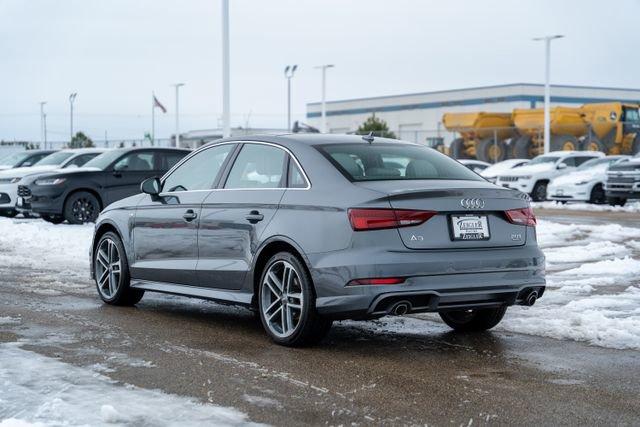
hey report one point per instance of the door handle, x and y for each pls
(190, 215)
(254, 216)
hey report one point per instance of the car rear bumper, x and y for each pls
(569, 192)
(435, 281)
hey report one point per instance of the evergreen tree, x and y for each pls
(378, 126)
(80, 140)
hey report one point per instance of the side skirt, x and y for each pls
(218, 295)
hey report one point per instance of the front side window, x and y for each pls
(137, 161)
(383, 161)
(570, 161)
(257, 166)
(199, 172)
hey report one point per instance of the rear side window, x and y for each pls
(379, 162)
(257, 166)
(296, 179)
(138, 161)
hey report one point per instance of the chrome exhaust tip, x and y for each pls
(531, 298)
(400, 308)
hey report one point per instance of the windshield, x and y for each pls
(54, 159)
(543, 159)
(603, 161)
(104, 160)
(380, 162)
(15, 158)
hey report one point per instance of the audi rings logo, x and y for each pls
(472, 203)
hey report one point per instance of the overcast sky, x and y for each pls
(115, 53)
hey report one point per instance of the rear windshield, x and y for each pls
(384, 161)
(55, 158)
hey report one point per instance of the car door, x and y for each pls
(165, 228)
(235, 215)
(128, 172)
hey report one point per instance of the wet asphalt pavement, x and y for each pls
(358, 375)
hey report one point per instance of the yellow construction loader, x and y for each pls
(482, 135)
(614, 128)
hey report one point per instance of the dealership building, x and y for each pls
(418, 116)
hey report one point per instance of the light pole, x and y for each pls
(289, 71)
(72, 98)
(226, 102)
(547, 88)
(323, 126)
(177, 86)
(43, 137)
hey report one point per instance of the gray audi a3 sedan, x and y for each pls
(307, 229)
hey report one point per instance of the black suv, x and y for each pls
(79, 195)
(623, 182)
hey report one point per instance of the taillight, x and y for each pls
(376, 219)
(377, 281)
(522, 216)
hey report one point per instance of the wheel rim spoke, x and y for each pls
(108, 268)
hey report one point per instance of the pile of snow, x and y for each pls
(631, 206)
(41, 245)
(40, 391)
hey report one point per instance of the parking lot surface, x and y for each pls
(409, 370)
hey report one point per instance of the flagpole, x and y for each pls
(153, 118)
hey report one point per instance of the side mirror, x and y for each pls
(561, 166)
(151, 186)
(120, 167)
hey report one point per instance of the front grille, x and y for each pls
(619, 186)
(508, 178)
(24, 191)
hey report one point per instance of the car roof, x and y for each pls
(85, 150)
(130, 149)
(574, 153)
(311, 139)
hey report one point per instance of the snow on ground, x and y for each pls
(631, 206)
(41, 245)
(39, 391)
(593, 278)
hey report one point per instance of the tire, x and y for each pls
(490, 151)
(616, 201)
(53, 219)
(458, 150)
(473, 320)
(593, 144)
(635, 146)
(81, 207)
(115, 290)
(303, 325)
(564, 143)
(522, 147)
(539, 193)
(597, 196)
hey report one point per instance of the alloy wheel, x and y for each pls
(282, 299)
(83, 209)
(108, 268)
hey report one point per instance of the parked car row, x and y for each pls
(75, 185)
(569, 176)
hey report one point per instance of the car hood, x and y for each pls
(531, 169)
(22, 172)
(593, 174)
(630, 165)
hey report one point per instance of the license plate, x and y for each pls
(20, 202)
(469, 227)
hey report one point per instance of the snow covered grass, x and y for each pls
(593, 292)
(631, 206)
(39, 391)
(41, 245)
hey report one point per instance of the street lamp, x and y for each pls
(177, 86)
(289, 71)
(547, 88)
(72, 98)
(323, 126)
(226, 103)
(43, 136)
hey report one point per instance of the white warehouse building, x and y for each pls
(418, 117)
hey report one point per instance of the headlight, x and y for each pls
(14, 180)
(50, 181)
(581, 183)
(525, 177)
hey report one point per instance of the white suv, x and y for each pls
(534, 177)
